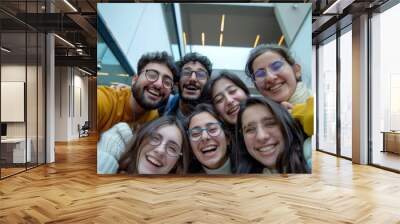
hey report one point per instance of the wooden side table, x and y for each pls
(391, 141)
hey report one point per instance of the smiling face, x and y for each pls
(281, 86)
(211, 151)
(156, 159)
(190, 87)
(226, 99)
(262, 134)
(148, 94)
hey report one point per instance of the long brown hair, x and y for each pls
(290, 160)
(128, 161)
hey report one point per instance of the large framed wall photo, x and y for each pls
(203, 88)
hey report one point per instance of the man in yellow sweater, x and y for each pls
(150, 89)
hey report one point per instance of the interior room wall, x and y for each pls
(71, 102)
(15, 72)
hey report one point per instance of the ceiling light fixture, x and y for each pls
(84, 71)
(281, 40)
(122, 75)
(256, 41)
(337, 7)
(203, 38)
(64, 40)
(102, 73)
(221, 37)
(5, 49)
(222, 22)
(70, 5)
(184, 40)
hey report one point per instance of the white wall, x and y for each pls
(33, 126)
(137, 28)
(69, 86)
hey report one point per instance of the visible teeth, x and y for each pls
(266, 148)
(154, 92)
(275, 87)
(209, 148)
(191, 87)
(154, 161)
(233, 110)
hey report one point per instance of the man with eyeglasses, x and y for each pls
(150, 90)
(194, 72)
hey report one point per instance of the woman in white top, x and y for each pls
(159, 147)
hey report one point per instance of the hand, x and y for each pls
(288, 106)
(119, 86)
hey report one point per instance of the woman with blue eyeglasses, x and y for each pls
(209, 142)
(277, 76)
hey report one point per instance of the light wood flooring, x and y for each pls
(387, 159)
(70, 191)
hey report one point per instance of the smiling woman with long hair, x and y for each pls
(160, 147)
(268, 140)
(209, 141)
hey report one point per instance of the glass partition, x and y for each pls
(385, 89)
(346, 94)
(327, 96)
(22, 90)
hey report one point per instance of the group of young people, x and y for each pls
(212, 125)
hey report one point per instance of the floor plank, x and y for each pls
(70, 191)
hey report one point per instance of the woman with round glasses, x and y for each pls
(276, 75)
(159, 147)
(209, 142)
(268, 140)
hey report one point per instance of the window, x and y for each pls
(327, 96)
(385, 86)
(346, 94)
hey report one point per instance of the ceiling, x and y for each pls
(80, 28)
(242, 24)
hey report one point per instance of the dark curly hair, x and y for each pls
(158, 57)
(193, 57)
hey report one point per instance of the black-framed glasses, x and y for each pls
(200, 75)
(272, 69)
(212, 129)
(152, 75)
(172, 149)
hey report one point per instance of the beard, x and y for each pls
(146, 104)
(190, 99)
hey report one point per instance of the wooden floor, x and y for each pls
(70, 191)
(387, 159)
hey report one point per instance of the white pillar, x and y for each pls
(50, 98)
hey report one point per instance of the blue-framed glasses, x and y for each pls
(272, 69)
(212, 129)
